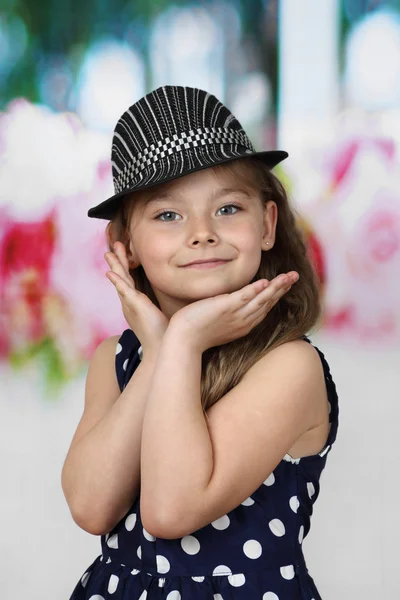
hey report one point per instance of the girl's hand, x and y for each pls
(227, 317)
(143, 317)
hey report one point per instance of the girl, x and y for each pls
(207, 423)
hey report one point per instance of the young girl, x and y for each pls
(208, 422)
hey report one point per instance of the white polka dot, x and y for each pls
(324, 451)
(222, 570)
(84, 579)
(175, 595)
(294, 461)
(118, 349)
(221, 523)
(248, 502)
(329, 407)
(270, 480)
(113, 584)
(96, 597)
(199, 579)
(161, 581)
(301, 534)
(270, 596)
(237, 579)
(277, 527)
(190, 544)
(107, 536)
(310, 489)
(163, 565)
(130, 521)
(140, 353)
(294, 503)
(287, 572)
(101, 557)
(143, 595)
(148, 535)
(135, 571)
(218, 597)
(112, 542)
(125, 364)
(139, 552)
(108, 560)
(252, 549)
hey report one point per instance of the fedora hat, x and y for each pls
(169, 133)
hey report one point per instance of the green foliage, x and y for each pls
(45, 358)
(65, 30)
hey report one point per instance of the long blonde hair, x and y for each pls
(296, 313)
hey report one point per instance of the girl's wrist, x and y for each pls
(179, 332)
(150, 352)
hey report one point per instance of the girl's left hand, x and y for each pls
(221, 319)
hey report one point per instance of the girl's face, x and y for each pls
(192, 218)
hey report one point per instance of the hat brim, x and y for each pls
(107, 209)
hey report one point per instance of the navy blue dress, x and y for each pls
(252, 553)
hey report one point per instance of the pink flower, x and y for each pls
(358, 221)
(53, 289)
(25, 255)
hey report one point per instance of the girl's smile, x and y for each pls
(207, 265)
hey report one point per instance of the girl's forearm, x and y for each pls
(176, 451)
(101, 474)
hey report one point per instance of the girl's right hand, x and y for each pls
(143, 317)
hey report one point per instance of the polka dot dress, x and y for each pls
(252, 553)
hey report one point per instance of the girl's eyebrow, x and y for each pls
(222, 192)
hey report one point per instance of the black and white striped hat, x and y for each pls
(172, 132)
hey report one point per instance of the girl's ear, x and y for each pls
(270, 221)
(132, 255)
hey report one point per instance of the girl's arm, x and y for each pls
(193, 470)
(101, 473)
(176, 453)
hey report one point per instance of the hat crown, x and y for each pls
(169, 133)
(164, 115)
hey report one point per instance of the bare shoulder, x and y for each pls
(101, 373)
(317, 433)
(296, 362)
(102, 365)
(315, 438)
(101, 388)
(106, 347)
(297, 353)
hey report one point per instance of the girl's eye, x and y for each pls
(170, 212)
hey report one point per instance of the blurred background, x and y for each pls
(319, 79)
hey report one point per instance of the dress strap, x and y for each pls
(127, 357)
(332, 395)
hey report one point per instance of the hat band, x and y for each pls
(177, 143)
